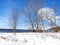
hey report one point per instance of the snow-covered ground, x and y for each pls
(30, 39)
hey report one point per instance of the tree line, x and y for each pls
(35, 20)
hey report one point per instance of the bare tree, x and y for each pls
(14, 19)
(28, 15)
(34, 23)
(55, 9)
(35, 7)
(54, 23)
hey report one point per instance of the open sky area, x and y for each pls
(6, 7)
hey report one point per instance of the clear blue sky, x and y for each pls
(7, 5)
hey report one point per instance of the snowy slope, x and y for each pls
(30, 39)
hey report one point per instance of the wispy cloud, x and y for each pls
(58, 20)
(4, 18)
(3, 22)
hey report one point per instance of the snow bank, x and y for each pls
(30, 39)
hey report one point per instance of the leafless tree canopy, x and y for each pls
(35, 7)
(35, 20)
(28, 15)
(14, 19)
(39, 21)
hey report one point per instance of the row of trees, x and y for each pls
(35, 19)
(38, 22)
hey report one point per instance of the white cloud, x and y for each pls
(50, 13)
(46, 13)
(58, 17)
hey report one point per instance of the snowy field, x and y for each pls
(30, 39)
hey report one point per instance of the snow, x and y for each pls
(30, 39)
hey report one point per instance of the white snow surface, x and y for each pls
(30, 39)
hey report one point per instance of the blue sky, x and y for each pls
(7, 5)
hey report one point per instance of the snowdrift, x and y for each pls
(30, 39)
